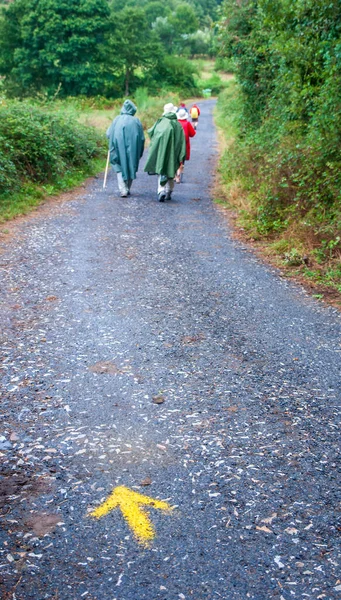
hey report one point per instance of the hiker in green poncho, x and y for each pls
(126, 144)
(167, 150)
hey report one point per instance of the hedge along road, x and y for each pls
(170, 405)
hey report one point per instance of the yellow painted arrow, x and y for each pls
(131, 504)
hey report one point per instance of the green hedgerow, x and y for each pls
(39, 145)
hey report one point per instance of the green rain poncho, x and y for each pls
(167, 148)
(126, 141)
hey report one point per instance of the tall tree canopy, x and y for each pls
(203, 8)
(95, 47)
(132, 43)
(50, 43)
(155, 9)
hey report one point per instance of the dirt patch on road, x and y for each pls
(13, 486)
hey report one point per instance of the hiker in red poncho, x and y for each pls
(189, 132)
(195, 114)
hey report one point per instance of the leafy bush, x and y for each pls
(228, 65)
(213, 83)
(287, 149)
(40, 146)
(8, 172)
(174, 73)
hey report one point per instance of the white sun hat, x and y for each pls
(182, 114)
(169, 108)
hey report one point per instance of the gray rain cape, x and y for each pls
(126, 141)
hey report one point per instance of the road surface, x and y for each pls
(170, 405)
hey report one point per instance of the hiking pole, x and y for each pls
(106, 170)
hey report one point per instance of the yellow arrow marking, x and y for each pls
(131, 504)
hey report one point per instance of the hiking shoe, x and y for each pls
(124, 194)
(162, 196)
(168, 196)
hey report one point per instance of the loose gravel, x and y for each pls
(143, 346)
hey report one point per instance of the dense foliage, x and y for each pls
(206, 11)
(287, 59)
(47, 43)
(39, 146)
(93, 47)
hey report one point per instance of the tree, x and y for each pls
(165, 32)
(155, 9)
(51, 44)
(184, 19)
(175, 72)
(174, 29)
(200, 42)
(132, 44)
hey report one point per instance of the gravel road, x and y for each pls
(144, 348)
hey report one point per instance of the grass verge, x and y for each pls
(32, 195)
(149, 109)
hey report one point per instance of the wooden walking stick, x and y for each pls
(106, 170)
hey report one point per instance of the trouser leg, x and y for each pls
(165, 191)
(160, 188)
(169, 187)
(122, 186)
